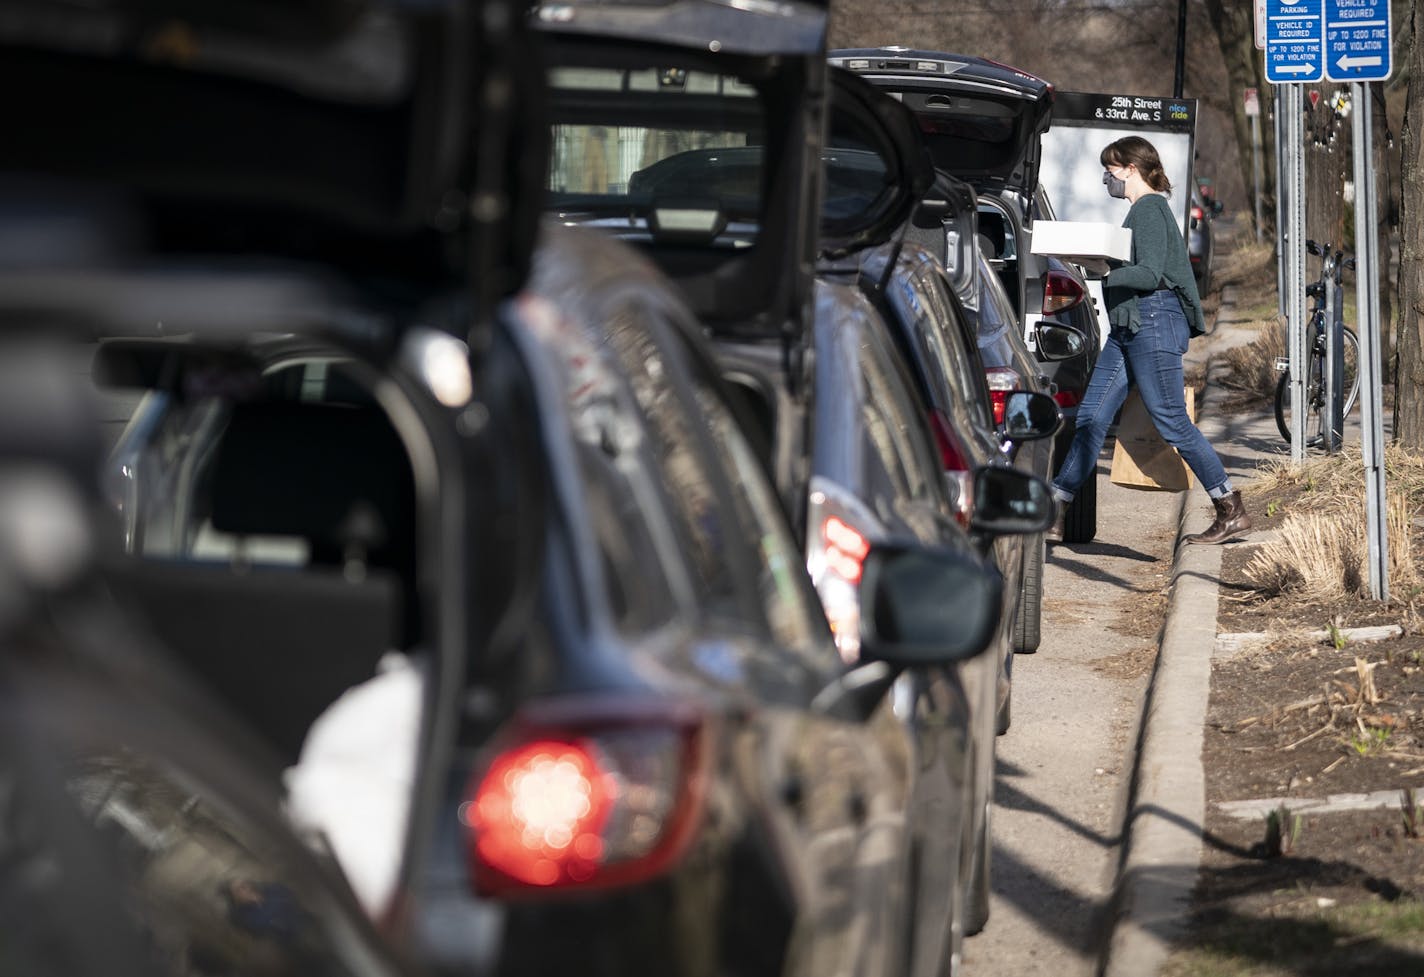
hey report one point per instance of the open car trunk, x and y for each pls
(734, 168)
(334, 131)
(981, 121)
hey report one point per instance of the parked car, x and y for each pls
(819, 381)
(1009, 365)
(143, 829)
(1068, 358)
(982, 122)
(623, 711)
(967, 399)
(1200, 243)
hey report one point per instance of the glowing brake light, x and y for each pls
(612, 799)
(1197, 214)
(539, 811)
(1002, 381)
(1060, 291)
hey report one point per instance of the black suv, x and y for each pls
(983, 122)
(533, 531)
(711, 162)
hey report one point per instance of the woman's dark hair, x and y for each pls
(1138, 152)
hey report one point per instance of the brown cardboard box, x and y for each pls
(1141, 459)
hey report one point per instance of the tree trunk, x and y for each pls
(1409, 382)
(1327, 167)
(1387, 220)
(1245, 68)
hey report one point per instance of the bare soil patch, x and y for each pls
(1302, 715)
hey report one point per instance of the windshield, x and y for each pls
(661, 149)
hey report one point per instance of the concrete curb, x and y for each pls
(1166, 810)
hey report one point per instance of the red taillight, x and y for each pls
(1066, 398)
(609, 801)
(539, 812)
(1196, 213)
(1060, 291)
(1002, 380)
(957, 467)
(845, 549)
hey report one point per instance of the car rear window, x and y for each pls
(658, 148)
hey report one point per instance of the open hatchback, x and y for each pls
(722, 159)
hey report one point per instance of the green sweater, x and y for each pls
(1159, 260)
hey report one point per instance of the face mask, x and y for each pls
(1116, 187)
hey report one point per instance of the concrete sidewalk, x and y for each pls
(1166, 806)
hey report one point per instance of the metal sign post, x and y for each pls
(1292, 153)
(1359, 38)
(1295, 55)
(1371, 376)
(1279, 120)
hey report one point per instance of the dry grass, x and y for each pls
(1252, 268)
(1322, 547)
(1251, 369)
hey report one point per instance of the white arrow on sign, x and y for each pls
(1346, 63)
(1296, 69)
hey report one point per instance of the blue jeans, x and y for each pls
(1150, 360)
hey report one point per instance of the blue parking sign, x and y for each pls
(1357, 40)
(1295, 46)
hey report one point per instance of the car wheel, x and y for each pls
(1204, 279)
(1027, 621)
(1080, 523)
(1005, 714)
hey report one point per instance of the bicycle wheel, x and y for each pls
(1315, 388)
(1314, 401)
(1351, 369)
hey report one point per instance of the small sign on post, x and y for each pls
(1252, 100)
(1358, 39)
(1294, 41)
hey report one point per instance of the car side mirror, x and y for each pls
(1055, 341)
(1030, 416)
(1009, 502)
(923, 606)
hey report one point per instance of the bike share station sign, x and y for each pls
(1071, 173)
(1342, 41)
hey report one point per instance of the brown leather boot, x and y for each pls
(1231, 520)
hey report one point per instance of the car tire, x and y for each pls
(976, 890)
(1028, 621)
(1204, 278)
(1004, 716)
(1080, 523)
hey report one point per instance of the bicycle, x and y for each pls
(1347, 355)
